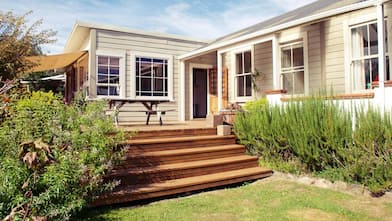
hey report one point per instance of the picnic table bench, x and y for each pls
(116, 104)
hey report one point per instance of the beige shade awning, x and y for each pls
(50, 62)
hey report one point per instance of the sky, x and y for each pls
(205, 19)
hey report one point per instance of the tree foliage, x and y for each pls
(18, 39)
(53, 157)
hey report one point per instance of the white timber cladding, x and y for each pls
(263, 63)
(151, 46)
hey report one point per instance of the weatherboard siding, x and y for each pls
(263, 64)
(131, 43)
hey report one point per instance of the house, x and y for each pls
(327, 44)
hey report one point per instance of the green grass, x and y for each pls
(270, 200)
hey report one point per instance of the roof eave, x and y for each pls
(297, 22)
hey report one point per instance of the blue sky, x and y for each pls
(206, 19)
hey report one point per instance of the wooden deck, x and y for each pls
(170, 160)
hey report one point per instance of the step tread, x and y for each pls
(175, 152)
(184, 165)
(176, 139)
(189, 181)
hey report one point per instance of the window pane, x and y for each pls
(103, 60)
(103, 79)
(114, 61)
(248, 80)
(102, 90)
(359, 75)
(158, 61)
(373, 38)
(239, 63)
(374, 68)
(114, 70)
(158, 70)
(240, 86)
(247, 62)
(288, 83)
(298, 56)
(299, 82)
(102, 69)
(158, 85)
(387, 75)
(145, 69)
(114, 79)
(166, 70)
(137, 84)
(359, 37)
(147, 60)
(286, 57)
(146, 84)
(113, 91)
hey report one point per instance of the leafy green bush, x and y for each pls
(53, 157)
(316, 135)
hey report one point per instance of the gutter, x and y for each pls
(297, 22)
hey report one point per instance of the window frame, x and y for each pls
(169, 58)
(369, 20)
(235, 75)
(121, 85)
(293, 69)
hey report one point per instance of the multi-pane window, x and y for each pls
(364, 53)
(108, 76)
(244, 74)
(292, 68)
(151, 77)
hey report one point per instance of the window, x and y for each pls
(292, 68)
(244, 74)
(364, 54)
(151, 77)
(108, 76)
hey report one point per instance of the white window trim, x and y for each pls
(233, 74)
(113, 53)
(298, 37)
(170, 77)
(347, 26)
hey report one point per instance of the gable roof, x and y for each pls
(314, 11)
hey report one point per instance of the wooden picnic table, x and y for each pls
(116, 104)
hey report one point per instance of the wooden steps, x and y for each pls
(181, 161)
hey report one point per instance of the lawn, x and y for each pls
(270, 199)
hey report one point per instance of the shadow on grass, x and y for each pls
(103, 213)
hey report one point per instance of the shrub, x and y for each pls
(316, 135)
(53, 157)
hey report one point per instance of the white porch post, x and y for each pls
(182, 90)
(220, 76)
(381, 52)
(275, 63)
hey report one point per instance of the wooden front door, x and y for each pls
(199, 93)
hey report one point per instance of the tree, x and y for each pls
(19, 39)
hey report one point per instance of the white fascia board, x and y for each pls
(140, 32)
(297, 22)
